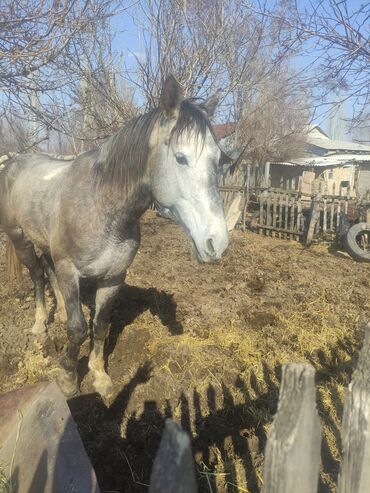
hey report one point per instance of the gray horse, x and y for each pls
(83, 215)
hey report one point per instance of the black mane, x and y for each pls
(122, 159)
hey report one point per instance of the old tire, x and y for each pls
(352, 247)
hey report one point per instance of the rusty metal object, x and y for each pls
(40, 448)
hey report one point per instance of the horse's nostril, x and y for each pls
(210, 247)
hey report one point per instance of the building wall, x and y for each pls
(363, 185)
(336, 180)
(314, 179)
(286, 177)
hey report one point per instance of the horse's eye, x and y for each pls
(181, 158)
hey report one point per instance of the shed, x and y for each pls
(335, 167)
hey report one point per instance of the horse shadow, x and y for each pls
(130, 303)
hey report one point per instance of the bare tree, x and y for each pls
(43, 48)
(217, 44)
(335, 36)
(274, 123)
(15, 136)
(98, 101)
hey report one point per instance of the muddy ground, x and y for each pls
(203, 344)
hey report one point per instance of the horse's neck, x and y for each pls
(123, 210)
(111, 201)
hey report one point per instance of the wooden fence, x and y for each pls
(281, 214)
(330, 210)
(289, 214)
(292, 454)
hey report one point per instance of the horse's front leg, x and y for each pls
(61, 314)
(68, 282)
(105, 296)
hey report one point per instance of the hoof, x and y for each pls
(67, 382)
(103, 385)
(39, 328)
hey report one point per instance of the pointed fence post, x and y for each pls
(292, 456)
(354, 476)
(173, 469)
(314, 218)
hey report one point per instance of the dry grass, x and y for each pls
(268, 303)
(34, 367)
(310, 330)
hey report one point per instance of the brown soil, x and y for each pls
(203, 344)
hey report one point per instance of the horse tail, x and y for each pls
(13, 264)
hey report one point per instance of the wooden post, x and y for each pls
(292, 456)
(267, 175)
(292, 208)
(299, 216)
(325, 217)
(286, 215)
(315, 214)
(274, 211)
(246, 195)
(339, 212)
(173, 469)
(268, 213)
(262, 200)
(354, 476)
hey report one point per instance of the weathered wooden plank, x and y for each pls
(233, 212)
(286, 213)
(332, 216)
(324, 220)
(261, 222)
(315, 214)
(274, 211)
(319, 220)
(339, 211)
(292, 456)
(267, 174)
(268, 210)
(280, 216)
(354, 476)
(280, 230)
(292, 207)
(300, 217)
(173, 469)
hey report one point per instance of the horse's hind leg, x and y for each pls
(105, 296)
(68, 282)
(27, 255)
(48, 265)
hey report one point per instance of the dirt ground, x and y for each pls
(203, 344)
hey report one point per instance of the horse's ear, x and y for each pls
(171, 97)
(210, 104)
(224, 158)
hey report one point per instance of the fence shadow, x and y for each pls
(227, 440)
(228, 435)
(332, 368)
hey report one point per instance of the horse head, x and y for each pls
(184, 159)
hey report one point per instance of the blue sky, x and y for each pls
(127, 42)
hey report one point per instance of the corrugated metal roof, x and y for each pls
(336, 160)
(337, 145)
